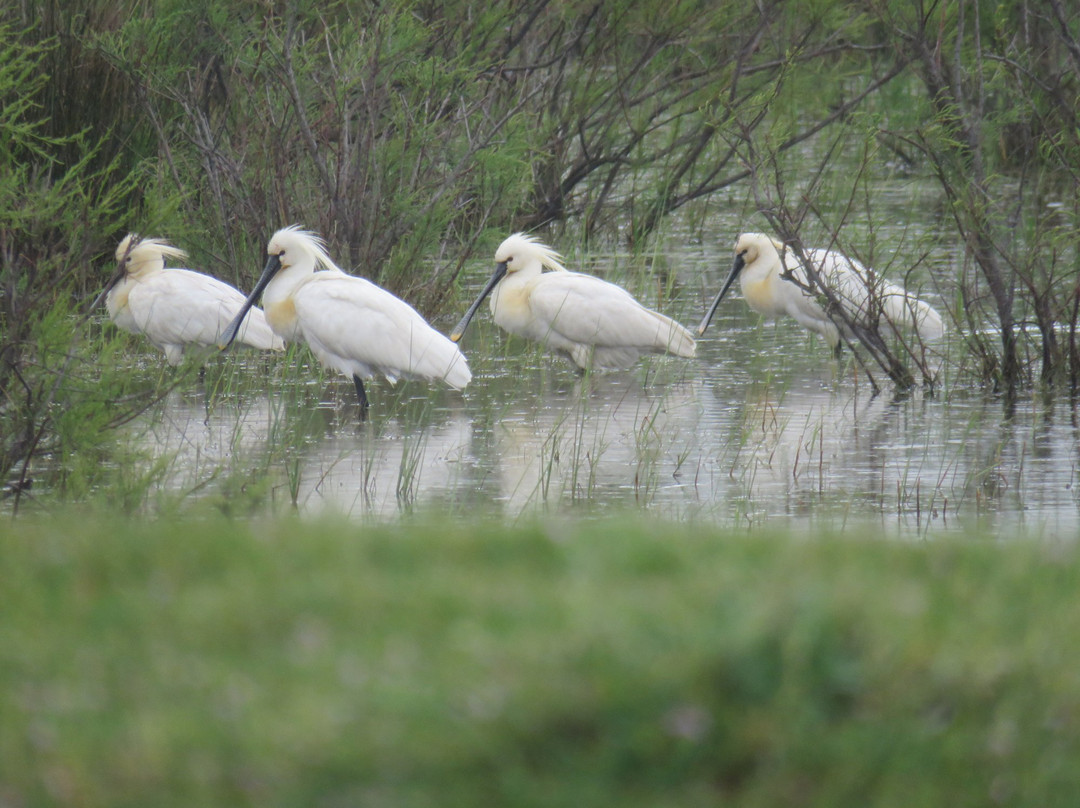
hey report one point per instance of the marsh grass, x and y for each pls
(763, 426)
(586, 662)
(415, 140)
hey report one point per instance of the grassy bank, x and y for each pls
(231, 663)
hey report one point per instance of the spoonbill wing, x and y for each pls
(179, 306)
(361, 329)
(868, 296)
(590, 311)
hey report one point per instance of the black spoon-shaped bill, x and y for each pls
(273, 264)
(115, 279)
(736, 268)
(121, 271)
(459, 330)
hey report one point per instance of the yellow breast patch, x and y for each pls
(281, 316)
(120, 299)
(759, 296)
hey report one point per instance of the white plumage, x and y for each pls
(870, 301)
(588, 319)
(350, 324)
(175, 308)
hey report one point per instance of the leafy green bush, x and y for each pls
(60, 386)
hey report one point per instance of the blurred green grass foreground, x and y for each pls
(286, 663)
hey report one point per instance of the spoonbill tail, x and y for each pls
(583, 317)
(761, 264)
(175, 308)
(350, 324)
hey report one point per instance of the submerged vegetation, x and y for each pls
(415, 136)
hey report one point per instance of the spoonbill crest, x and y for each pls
(350, 324)
(174, 308)
(762, 262)
(583, 317)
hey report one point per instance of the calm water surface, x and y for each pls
(764, 428)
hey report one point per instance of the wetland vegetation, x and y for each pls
(665, 585)
(935, 142)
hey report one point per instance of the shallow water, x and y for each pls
(764, 428)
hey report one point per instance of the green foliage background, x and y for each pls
(414, 135)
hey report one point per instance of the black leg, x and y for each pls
(361, 396)
(206, 395)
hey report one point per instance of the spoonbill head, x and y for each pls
(175, 308)
(775, 283)
(350, 324)
(593, 322)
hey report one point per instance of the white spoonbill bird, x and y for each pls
(350, 324)
(175, 308)
(761, 263)
(588, 319)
